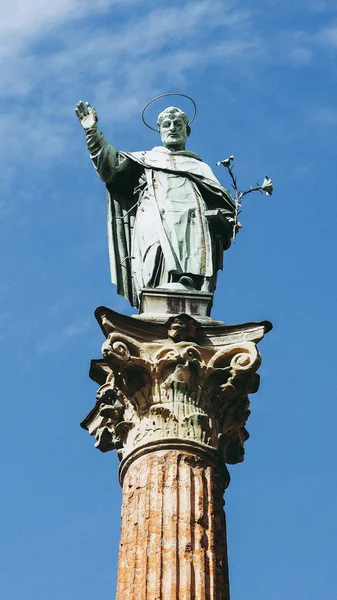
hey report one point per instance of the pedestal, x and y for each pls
(159, 304)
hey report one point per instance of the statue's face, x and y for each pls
(173, 132)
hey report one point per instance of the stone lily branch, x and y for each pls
(266, 186)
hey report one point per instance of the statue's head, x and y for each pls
(173, 128)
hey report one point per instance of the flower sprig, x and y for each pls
(265, 187)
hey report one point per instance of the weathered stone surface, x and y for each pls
(180, 381)
(173, 540)
(173, 401)
(173, 299)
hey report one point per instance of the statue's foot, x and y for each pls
(187, 281)
(206, 285)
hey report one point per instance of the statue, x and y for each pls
(169, 218)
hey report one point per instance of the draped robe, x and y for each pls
(157, 228)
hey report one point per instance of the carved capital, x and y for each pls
(174, 381)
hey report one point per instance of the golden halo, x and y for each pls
(162, 96)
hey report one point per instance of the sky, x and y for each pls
(263, 75)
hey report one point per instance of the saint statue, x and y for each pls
(169, 218)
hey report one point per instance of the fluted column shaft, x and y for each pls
(173, 539)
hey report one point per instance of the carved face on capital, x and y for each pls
(181, 328)
(173, 128)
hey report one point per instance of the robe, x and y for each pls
(157, 227)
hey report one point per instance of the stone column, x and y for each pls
(173, 541)
(173, 401)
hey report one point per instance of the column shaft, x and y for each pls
(173, 541)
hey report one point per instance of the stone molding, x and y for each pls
(174, 381)
(188, 446)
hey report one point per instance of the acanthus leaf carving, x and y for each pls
(175, 389)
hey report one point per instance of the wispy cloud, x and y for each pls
(327, 36)
(297, 49)
(51, 55)
(305, 46)
(117, 56)
(321, 6)
(325, 117)
(55, 338)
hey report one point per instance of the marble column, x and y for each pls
(173, 401)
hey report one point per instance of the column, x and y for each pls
(173, 402)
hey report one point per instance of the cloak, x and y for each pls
(122, 199)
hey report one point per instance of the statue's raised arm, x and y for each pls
(103, 155)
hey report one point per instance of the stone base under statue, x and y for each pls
(158, 304)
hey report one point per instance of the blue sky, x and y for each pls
(264, 77)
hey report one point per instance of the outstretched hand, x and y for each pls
(86, 115)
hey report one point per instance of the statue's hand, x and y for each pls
(86, 114)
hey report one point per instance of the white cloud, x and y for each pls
(47, 61)
(91, 53)
(23, 19)
(53, 54)
(298, 48)
(325, 117)
(57, 338)
(321, 6)
(327, 36)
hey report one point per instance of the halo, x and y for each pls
(162, 96)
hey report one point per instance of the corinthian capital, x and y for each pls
(174, 383)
